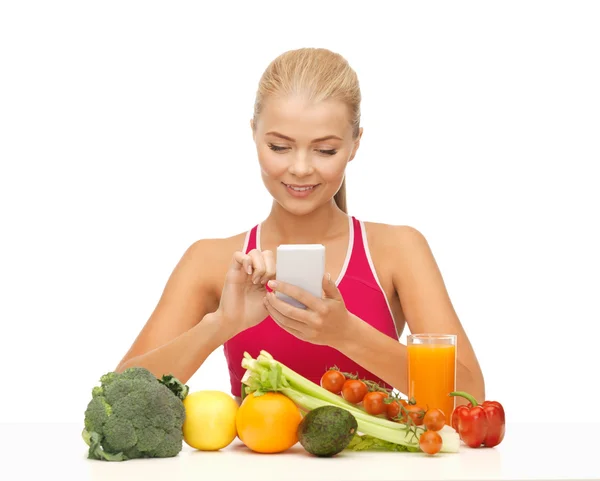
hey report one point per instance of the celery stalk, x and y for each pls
(265, 374)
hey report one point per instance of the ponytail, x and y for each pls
(340, 197)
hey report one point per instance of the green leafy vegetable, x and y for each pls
(175, 385)
(365, 442)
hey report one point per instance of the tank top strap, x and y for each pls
(361, 265)
(250, 241)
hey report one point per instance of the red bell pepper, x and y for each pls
(478, 424)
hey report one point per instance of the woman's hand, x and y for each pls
(325, 321)
(242, 304)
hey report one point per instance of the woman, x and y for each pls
(380, 277)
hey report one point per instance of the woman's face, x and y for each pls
(303, 149)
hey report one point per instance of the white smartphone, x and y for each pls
(301, 265)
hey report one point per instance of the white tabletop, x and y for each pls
(529, 452)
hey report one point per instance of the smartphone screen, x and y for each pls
(301, 265)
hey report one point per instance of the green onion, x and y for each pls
(265, 374)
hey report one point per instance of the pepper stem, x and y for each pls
(466, 395)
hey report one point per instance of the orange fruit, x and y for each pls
(268, 423)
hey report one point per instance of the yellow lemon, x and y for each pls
(210, 420)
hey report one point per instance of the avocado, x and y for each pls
(327, 430)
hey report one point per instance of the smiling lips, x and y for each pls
(300, 190)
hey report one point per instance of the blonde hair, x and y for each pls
(319, 74)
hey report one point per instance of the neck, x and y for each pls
(287, 228)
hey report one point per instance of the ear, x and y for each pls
(252, 129)
(356, 144)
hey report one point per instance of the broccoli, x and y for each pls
(134, 414)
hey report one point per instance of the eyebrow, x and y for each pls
(320, 139)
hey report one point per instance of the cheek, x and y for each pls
(331, 170)
(271, 163)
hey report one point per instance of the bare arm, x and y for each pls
(427, 307)
(183, 330)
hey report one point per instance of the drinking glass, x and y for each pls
(432, 371)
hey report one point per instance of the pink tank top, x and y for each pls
(363, 296)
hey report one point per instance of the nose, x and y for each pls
(301, 165)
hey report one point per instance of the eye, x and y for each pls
(277, 148)
(328, 152)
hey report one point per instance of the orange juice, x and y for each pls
(432, 371)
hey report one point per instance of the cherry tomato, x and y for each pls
(354, 390)
(373, 402)
(416, 413)
(333, 381)
(434, 420)
(430, 442)
(393, 410)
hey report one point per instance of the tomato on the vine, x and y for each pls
(333, 381)
(434, 420)
(430, 442)
(394, 409)
(373, 402)
(415, 412)
(354, 390)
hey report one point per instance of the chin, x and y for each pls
(297, 208)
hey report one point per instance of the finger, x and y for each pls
(287, 323)
(269, 259)
(258, 264)
(291, 330)
(287, 310)
(295, 292)
(241, 260)
(330, 289)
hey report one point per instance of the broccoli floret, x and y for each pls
(96, 415)
(134, 414)
(170, 445)
(119, 434)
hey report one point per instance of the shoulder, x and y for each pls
(205, 262)
(215, 251)
(403, 247)
(395, 240)
(404, 252)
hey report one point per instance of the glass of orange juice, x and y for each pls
(432, 371)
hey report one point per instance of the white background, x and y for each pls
(124, 137)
